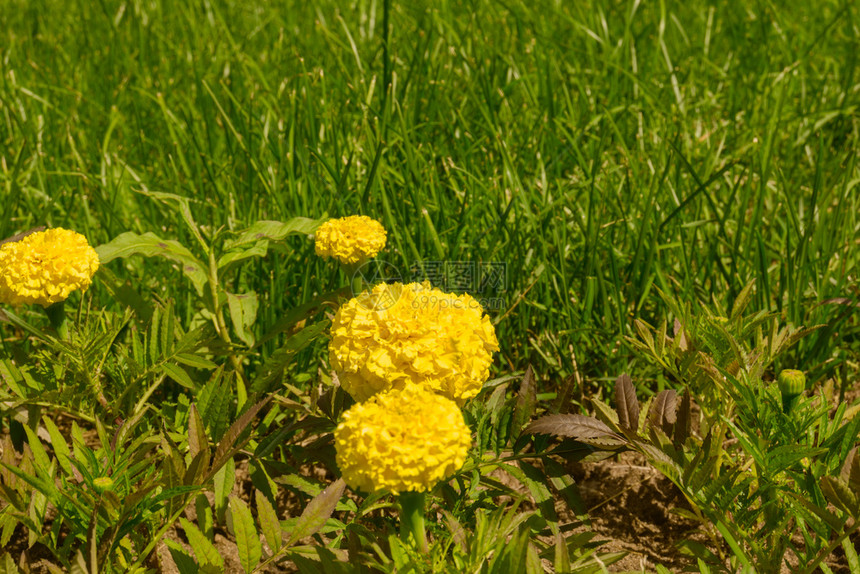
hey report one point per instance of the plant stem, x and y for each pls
(57, 316)
(354, 278)
(833, 545)
(412, 519)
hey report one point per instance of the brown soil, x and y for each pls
(630, 505)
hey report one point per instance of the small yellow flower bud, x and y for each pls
(103, 483)
(791, 382)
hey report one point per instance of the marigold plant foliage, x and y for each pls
(351, 239)
(401, 441)
(46, 267)
(396, 335)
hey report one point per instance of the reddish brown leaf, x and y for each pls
(571, 426)
(682, 427)
(526, 402)
(662, 414)
(626, 403)
(317, 512)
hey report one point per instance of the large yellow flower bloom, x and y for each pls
(351, 239)
(401, 441)
(397, 335)
(45, 267)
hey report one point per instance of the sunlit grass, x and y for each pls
(600, 150)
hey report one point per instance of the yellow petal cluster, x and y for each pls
(351, 239)
(396, 335)
(45, 267)
(401, 441)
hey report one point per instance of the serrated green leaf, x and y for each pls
(195, 361)
(204, 550)
(839, 494)
(851, 555)
(178, 375)
(7, 565)
(247, 539)
(184, 562)
(269, 522)
(40, 456)
(223, 486)
(214, 401)
(204, 516)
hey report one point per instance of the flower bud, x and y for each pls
(103, 483)
(791, 383)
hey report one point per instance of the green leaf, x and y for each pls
(275, 365)
(204, 516)
(150, 245)
(268, 518)
(851, 556)
(205, 551)
(40, 457)
(317, 512)
(11, 375)
(195, 361)
(733, 544)
(274, 231)
(178, 375)
(7, 565)
(243, 313)
(839, 494)
(247, 539)
(214, 402)
(223, 485)
(230, 443)
(79, 565)
(184, 563)
(236, 256)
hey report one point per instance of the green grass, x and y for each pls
(603, 150)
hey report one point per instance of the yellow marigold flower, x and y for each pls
(397, 335)
(45, 267)
(351, 239)
(401, 441)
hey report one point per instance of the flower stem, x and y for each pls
(412, 519)
(354, 277)
(57, 316)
